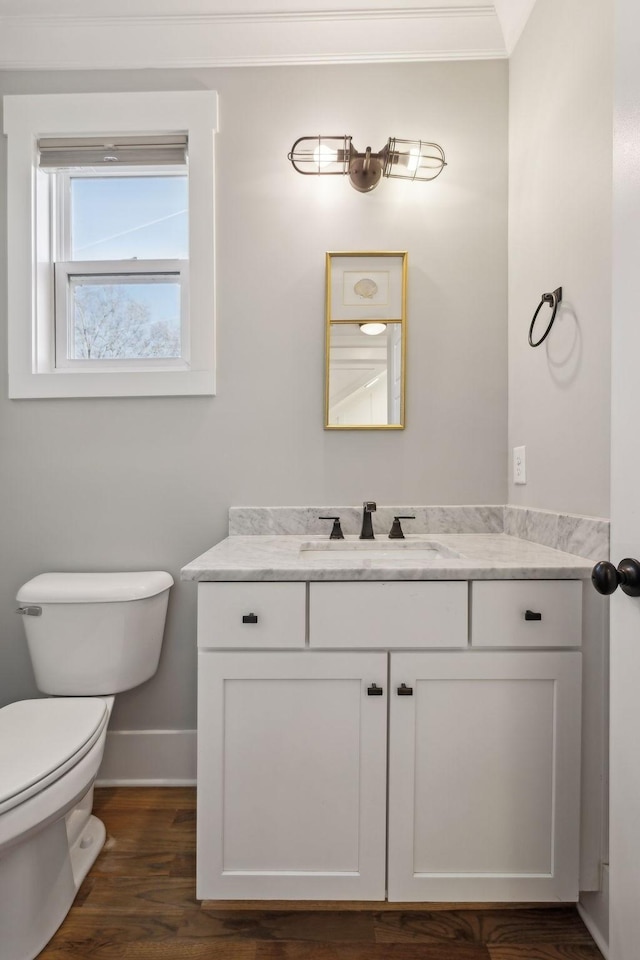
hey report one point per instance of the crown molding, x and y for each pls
(275, 16)
(129, 40)
(513, 16)
(275, 61)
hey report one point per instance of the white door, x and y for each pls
(291, 775)
(625, 492)
(484, 776)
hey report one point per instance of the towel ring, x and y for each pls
(553, 299)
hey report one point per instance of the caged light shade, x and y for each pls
(321, 155)
(413, 159)
(404, 159)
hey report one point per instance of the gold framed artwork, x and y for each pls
(365, 340)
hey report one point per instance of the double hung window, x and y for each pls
(118, 290)
(121, 252)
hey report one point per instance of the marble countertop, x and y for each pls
(461, 557)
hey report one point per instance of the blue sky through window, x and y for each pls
(117, 218)
(139, 217)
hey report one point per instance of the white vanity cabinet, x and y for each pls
(292, 776)
(382, 614)
(447, 773)
(484, 776)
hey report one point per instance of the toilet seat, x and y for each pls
(41, 739)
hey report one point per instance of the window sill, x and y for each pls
(151, 383)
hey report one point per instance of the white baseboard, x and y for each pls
(594, 910)
(148, 758)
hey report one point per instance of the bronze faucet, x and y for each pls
(367, 528)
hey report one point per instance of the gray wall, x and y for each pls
(146, 483)
(560, 182)
(560, 206)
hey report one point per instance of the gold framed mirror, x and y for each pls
(365, 340)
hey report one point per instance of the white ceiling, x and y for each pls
(112, 34)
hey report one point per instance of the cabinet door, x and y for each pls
(291, 776)
(484, 783)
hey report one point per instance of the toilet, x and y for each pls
(90, 636)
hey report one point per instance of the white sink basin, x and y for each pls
(408, 550)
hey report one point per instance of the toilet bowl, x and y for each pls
(90, 636)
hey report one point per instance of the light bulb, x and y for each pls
(413, 160)
(324, 155)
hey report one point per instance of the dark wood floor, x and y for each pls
(138, 903)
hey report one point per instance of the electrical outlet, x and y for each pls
(519, 465)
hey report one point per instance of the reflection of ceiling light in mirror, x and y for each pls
(373, 329)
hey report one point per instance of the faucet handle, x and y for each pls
(396, 532)
(336, 530)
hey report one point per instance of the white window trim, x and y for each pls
(32, 371)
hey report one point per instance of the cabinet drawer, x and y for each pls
(526, 613)
(388, 614)
(251, 615)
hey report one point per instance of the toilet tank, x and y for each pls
(94, 633)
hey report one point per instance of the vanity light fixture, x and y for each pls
(406, 159)
(373, 328)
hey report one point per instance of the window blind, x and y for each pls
(62, 152)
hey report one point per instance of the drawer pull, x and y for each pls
(404, 690)
(530, 615)
(249, 618)
(374, 690)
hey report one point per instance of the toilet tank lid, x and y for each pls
(94, 587)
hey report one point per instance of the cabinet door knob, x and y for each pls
(404, 691)
(606, 579)
(531, 615)
(374, 690)
(249, 618)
